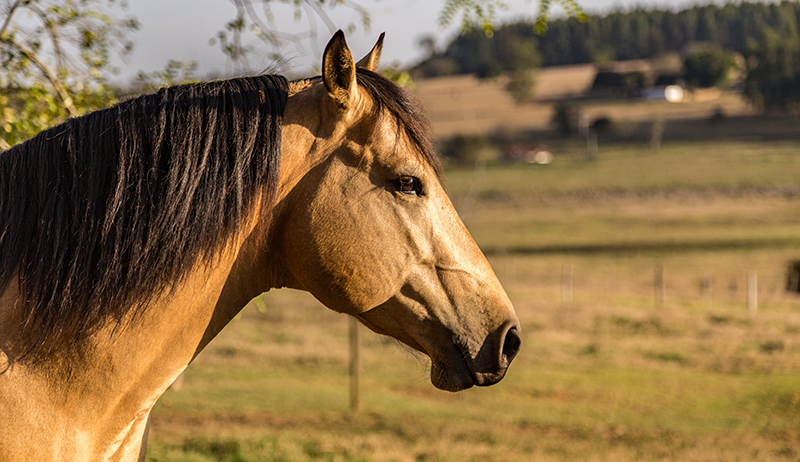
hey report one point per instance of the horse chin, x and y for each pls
(452, 373)
(443, 379)
(457, 372)
(452, 368)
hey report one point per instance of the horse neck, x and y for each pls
(94, 405)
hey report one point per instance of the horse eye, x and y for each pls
(408, 185)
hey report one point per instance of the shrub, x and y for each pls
(708, 68)
(463, 149)
(565, 118)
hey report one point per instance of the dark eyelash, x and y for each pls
(409, 185)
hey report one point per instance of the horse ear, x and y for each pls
(339, 70)
(371, 61)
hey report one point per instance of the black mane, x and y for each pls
(408, 112)
(104, 210)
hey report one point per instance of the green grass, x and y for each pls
(609, 376)
(724, 194)
(635, 168)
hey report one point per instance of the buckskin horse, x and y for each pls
(129, 237)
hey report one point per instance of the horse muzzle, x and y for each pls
(462, 354)
(459, 368)
(496, 354)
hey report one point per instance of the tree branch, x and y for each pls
(11, 9)
(48, 74)
(54, 39)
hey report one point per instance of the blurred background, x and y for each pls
(630, 168)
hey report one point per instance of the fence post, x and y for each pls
(591, 144)
(355, 366)
(752, 292)
(657, 134)
(707, 289)
(658, 286)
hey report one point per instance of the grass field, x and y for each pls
(609, 376)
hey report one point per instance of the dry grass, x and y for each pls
(595, 381)
(467, 105)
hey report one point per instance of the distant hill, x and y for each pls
(467, 105)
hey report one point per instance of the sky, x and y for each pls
(182, 29)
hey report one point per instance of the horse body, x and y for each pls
(359, 218)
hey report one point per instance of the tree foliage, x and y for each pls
(55, 54)
(255, 23)
(641, 33)
(773, 74)
(174, 73)
(483, 13)
(766, 33)
(708, 68)
(508, 50)
(54, 60)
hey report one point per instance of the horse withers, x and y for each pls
(131, 236)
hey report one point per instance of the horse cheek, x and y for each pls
(373, 264)
(344, 254)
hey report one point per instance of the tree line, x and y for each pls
(640, 33)
(765, 34)
(621, 35)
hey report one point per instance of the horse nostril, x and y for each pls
(511, 345)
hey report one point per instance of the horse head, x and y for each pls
(131, 236)
(364, 223)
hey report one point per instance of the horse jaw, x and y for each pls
(465, 346)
